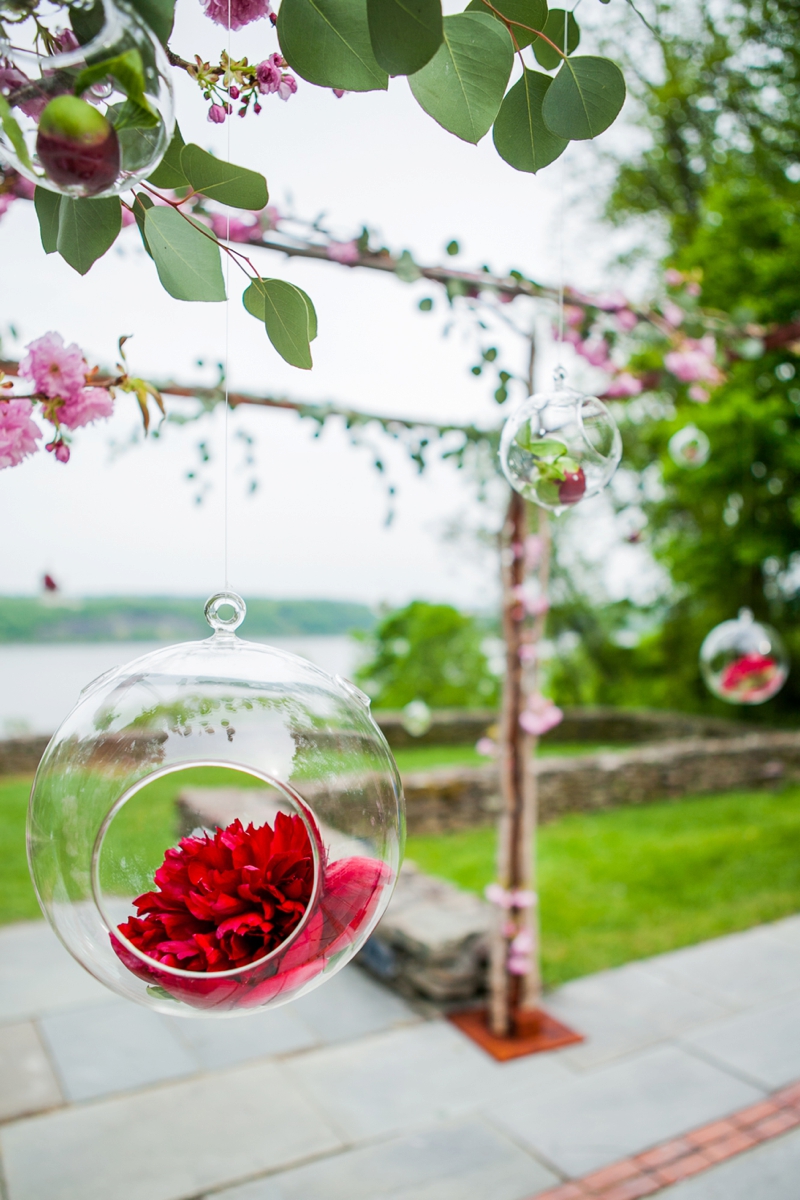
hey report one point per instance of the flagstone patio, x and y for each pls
(352, 1094)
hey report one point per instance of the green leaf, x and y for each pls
(159, 15)
(284, 309)
(462, 86)
(223, 181)
(86, 229)
(186, 258)
(520, 134)
(328, 43)
(169, 172)
(131, 115)
(405, 34)
(524, 15)
(13, 132)
(47, 205)
(86, 22)
(141, 203)
(546, 56)
(406, 269)
(312, 314)
(128, 71)
(584, 98)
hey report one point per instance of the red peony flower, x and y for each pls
(229, 900)
(748, 675)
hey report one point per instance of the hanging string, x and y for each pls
(559, 371)
(227, 329)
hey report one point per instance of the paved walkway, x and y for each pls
(351, 1095)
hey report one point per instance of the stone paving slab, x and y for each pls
(168, 1143)
(113, 1048)
(740, 970)
(27, 1081)
(351, 1005)
(412, 1077)
(627, 1009)
(761, 1044)
(37, 975)
(217, 1044)
(770, 1172)
(467, 1161)
(614, 1111)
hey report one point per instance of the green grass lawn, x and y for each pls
(614, 886)
(424, 758)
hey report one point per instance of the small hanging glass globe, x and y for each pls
(70, 126)
(743, 661)
(689, 447)
(216, 827)
(417, 718)
(560, 447)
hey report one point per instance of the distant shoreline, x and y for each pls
(56, 618)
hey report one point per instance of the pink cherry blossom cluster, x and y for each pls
(242, 83)
(235, 14)
(540, 715)
(66, 397)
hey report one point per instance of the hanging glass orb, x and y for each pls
(743, 661)
(71, 126)
(216, 827)
(417, 718)
(559, 447)
(689, 447)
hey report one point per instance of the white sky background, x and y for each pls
(112, 524)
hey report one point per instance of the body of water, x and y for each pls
(40, 683)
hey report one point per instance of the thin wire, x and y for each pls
(227, 327)
(561, 266)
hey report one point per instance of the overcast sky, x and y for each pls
(113, 523)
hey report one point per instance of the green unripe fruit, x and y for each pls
(77, 146)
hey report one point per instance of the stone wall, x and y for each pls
(20, 756)
(458, 798)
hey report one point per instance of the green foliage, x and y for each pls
(584, 98)
(159, 15)
(622, 885)
(328, 43)
(429, 652)
(169, 172)
(127, 69)
(554, 29)
(186, 258)
(235, 186)
(13, 132)
(288, 315)
(48, 207)
(462, 87)
(524, 15)
(520, 134)
(87, 229)
(405, 34)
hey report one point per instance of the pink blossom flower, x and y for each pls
(528, 652)
(534, 546)
(65, 40)
(128, 218)
(625, 384)
(339, 92)
(486, 747)
(540, 715)
(626, 320)
(18, 433)
(518, 964)
(611, 301)
(268, 74)
(91, 404)
(673, 312)
(234, 229)
(534, 604)
(672, 277)
(523, 942)
(693, 289)
(693, 361)
(10, 79)
(235, 14)
(57, 371)
(23, 189)
(271, 217)
(216, 114)
(60, 448)
(343, 252)
(595, 351)
(698, 393)
(287, 86)
(573, 316)
(495, 893)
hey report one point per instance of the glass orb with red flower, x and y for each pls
(689, 447)
(216, 827)
(85, 96)
(560, 447)
(743, 661)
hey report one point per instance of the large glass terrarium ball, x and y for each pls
(86, 96)
(217, 826)
(559, 447)
(743, 661)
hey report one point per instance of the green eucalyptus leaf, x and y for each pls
(87, 229)
(223, 181)
(169, 172)
(328, 43)
(187, 258)
(128, 71)
(141, 203)
(546, 56)
(524, 15)
(159, 15)
(13, 132)
(47, 205)
(584, 98)
(462, 86)
(87, 22)
(405, 34)
(520, 134)
(286, 314)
